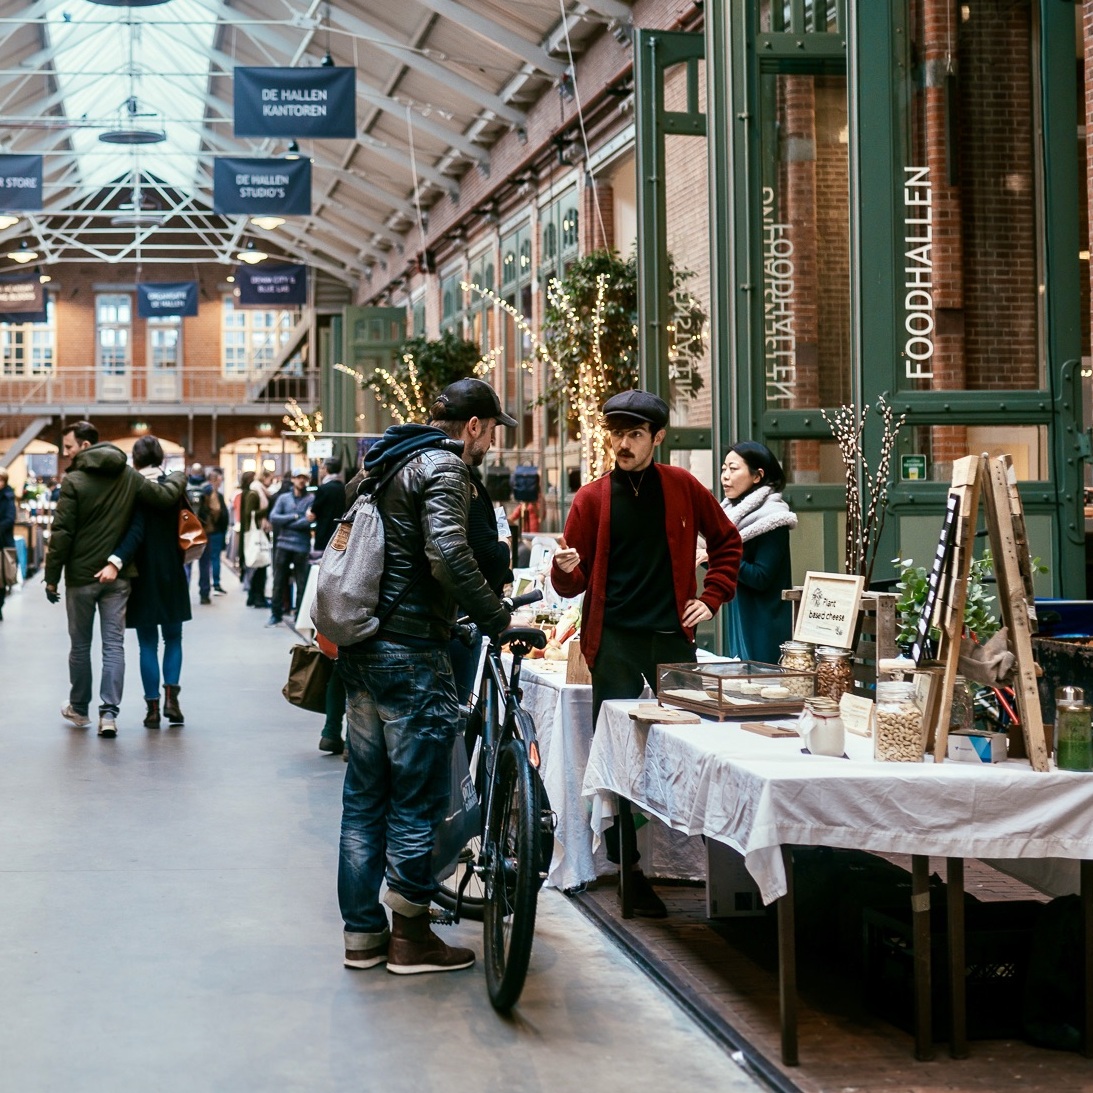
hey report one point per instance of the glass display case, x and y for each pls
(731, 689)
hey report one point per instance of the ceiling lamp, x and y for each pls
(293, 150)
(7, 221)
(23, 253)
(267, 222)
(251, 254)
(131, 131)
(44, 278)
(129, 3)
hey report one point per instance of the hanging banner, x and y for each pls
(261, 187)
(295, 102)
(174, 298)
(21, 183)
(22, 299)
(271, 286)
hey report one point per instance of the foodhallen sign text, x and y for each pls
(295, 102)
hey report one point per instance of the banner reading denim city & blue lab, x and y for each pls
(21, 183)
(22, 299)
(271, 285)
(167, 298)
(261, 187)
(295, 102)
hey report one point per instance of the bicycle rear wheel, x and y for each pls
(512, 880)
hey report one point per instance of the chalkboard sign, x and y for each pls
(923, 647)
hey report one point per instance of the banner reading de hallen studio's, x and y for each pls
(261, 187)
(272, 285)
(295, 102)
(22, 298)
(167, 298)
(21, 183)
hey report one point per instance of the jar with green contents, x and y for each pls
(1073, 730)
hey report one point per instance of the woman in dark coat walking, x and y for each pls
(160, 598)
(7, 528)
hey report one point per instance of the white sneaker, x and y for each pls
(80, 720)
(107, 727)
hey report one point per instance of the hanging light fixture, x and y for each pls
(327, 61)
(267, 222)
(7, 220)
(131, 131)
(129, 3)
(251, 254)
(23, 253)
(293, 150)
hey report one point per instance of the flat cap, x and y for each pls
(639, 405)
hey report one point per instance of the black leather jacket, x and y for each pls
(425, 508)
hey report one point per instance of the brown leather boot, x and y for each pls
(151, 718)
(170, 704)
(414, 948)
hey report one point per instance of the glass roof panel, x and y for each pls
(146, 68)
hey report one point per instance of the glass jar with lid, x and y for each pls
(821, 727)
(797, 656)
(1073, 730)
(898, 736)
(834, 675)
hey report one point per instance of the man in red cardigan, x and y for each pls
(629, 546)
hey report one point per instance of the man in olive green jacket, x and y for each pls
(92, 515)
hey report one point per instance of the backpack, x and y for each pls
(347, 591)
(525, 483)
(498, 483)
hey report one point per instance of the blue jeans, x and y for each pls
(402, 719)
(148, 639)
(208, 564)
(81, 604)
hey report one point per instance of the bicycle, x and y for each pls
(507, 863)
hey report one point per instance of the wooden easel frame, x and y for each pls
(993, 480)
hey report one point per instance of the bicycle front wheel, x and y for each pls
(512, 882)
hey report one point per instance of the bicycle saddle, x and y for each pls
(528, 635)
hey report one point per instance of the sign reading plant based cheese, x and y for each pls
(828, 614)
(295, 102)
(272, 285)
(257, 187)
(177, 298)
(22, 298)
(21, 183)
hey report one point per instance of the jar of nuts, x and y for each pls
(898, 736)
(834, 676)
(797, 657)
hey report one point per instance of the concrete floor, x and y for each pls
(169, 920)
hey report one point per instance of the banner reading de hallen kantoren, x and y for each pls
(261, 187)
(167, 298)
(21, 183)
(268, 285)
(295, 102)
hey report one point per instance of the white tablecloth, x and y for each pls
(563, 721)
(756, 794)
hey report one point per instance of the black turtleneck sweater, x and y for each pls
(640, 594)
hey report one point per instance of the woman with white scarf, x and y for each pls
(759, 620)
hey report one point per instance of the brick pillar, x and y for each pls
(597, 232)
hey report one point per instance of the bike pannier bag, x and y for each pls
(463, 817)
(525, 483)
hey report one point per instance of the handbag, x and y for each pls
(462, 818)
(308, 675)
(257, 549)
(191, 535)
(9, 567)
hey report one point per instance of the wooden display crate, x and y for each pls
(875, 636)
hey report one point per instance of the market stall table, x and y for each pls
(762, 796)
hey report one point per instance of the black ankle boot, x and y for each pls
(151, 718)
(170, 704)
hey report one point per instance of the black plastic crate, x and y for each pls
(997, 943)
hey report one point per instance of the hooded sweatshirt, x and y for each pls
(93, 513)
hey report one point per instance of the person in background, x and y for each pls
(629, 546)
(291, 517)
(328, 502)
(159, 600)
(98, 494)
(759, 619)
(213, 514)
(7, 527)
(254, 509)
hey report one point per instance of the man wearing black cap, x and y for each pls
(469, 410)
(629, 546)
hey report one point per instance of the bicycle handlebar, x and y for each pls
(466, 631)
(513, 602)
